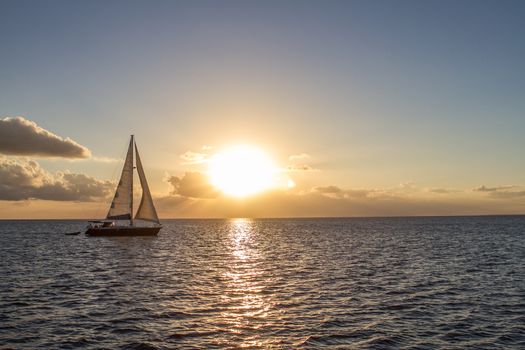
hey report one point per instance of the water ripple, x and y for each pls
(415, 283)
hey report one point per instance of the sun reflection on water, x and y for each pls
(247, 306)
(240, 233)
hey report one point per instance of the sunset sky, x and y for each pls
(358, 108)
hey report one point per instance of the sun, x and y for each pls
(242, 170)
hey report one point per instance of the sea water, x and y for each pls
(358, 283)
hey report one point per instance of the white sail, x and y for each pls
(146, 209)
(122, 204)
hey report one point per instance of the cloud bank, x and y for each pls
(23, 137)
(192, 196)
(25, 179)
(192, 184)
(281, 204)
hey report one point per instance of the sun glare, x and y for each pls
(242, 170)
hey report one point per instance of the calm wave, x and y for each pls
(425, 283)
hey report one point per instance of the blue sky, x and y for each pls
(377, 92)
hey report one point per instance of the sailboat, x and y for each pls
(122, 205)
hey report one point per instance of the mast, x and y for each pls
(131, 194)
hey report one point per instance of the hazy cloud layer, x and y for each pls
(25, 179)
(404, 200)
(315, 204)
(193, 185)
(19, 136)
(193, 196)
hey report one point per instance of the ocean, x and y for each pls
(356, 283)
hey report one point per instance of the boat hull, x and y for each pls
(117, 231)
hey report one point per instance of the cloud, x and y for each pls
(302, 167)
(337, 192)
(19, 136)
(329, 190)
(25, 179)
(442, 190)
(298, 164)
(193, 157)
(193, 185)
(502, 192)
(296, 157)
(483, 188)
(202, 156)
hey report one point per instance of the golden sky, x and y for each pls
(238, 180)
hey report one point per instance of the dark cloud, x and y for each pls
(19, 136)
(193, 185)
(503, 192)
(494, 189)
(22, 180)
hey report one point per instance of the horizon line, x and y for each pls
(296, 217)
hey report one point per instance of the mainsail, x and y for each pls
(146, 208)
(122, 204)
